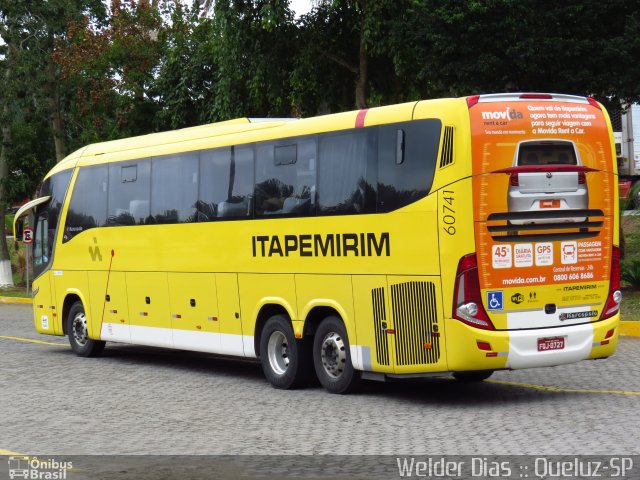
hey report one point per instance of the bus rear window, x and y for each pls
(546, 153)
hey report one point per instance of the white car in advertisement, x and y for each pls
(547, 176)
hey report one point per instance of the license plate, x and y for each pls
(549, 203)
(554, 343)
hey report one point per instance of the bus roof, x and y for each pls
(233, 132)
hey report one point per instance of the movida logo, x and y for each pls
(507, 114)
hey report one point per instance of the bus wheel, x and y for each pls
(332, 358)
(77, 332)
(472, 376)
(285, 360)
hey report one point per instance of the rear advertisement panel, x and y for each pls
(543, 207)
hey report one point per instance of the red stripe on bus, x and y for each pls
(360, 118)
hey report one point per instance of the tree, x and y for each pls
(111, 67)
(462, 48)
(346, 55)
(251, 49)
(31, 91)
(6, 278)
(187, 72)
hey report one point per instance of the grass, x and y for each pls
(630, 307)
(19, 289)
(631, 230)
(14, 292)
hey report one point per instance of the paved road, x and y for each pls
(138, 400)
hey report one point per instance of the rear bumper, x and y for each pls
(516, 349)
(530, 202)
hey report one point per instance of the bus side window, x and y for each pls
(226, 183)
(407, 154)
(285, 177)
(174, 188)
(88, 204)
(129, 193)
(346, 172)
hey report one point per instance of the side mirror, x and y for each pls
(26, 211)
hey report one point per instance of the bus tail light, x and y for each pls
(513, 179)
(467, 297)
(615, 295)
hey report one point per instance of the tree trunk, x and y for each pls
(363, 59)
(361, 68)
(56, 114)
(6, 277)
(363, 74)
(206, 6)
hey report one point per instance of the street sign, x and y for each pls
(27, 236)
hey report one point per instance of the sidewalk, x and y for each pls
(627, 329)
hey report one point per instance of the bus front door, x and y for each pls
(46, 320)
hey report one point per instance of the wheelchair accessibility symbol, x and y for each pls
(495, 300)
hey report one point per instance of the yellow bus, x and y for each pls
(452, 236)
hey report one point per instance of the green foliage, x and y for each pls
(630, 273)
(186, 70)
(8, 221)
(252, 48)
(33, 88)
(111, 67)
(474, 47)
(633, 197)
(630, 306)
(326, 63)
(630, 228)
(29, 159)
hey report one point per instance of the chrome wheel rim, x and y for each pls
(278, 353)
(79, 326)
(333, 354)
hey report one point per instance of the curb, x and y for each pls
(627, 328)
(22, 300)
(630, 329)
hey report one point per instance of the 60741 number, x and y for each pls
(448, 212)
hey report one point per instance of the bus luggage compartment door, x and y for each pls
(416, 311)
(402, 325)
(194, 311)
(109, 306)
(148, 295)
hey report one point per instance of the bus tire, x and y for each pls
(77, 332)
(285, 361)
(470, 377)
(332, 357)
